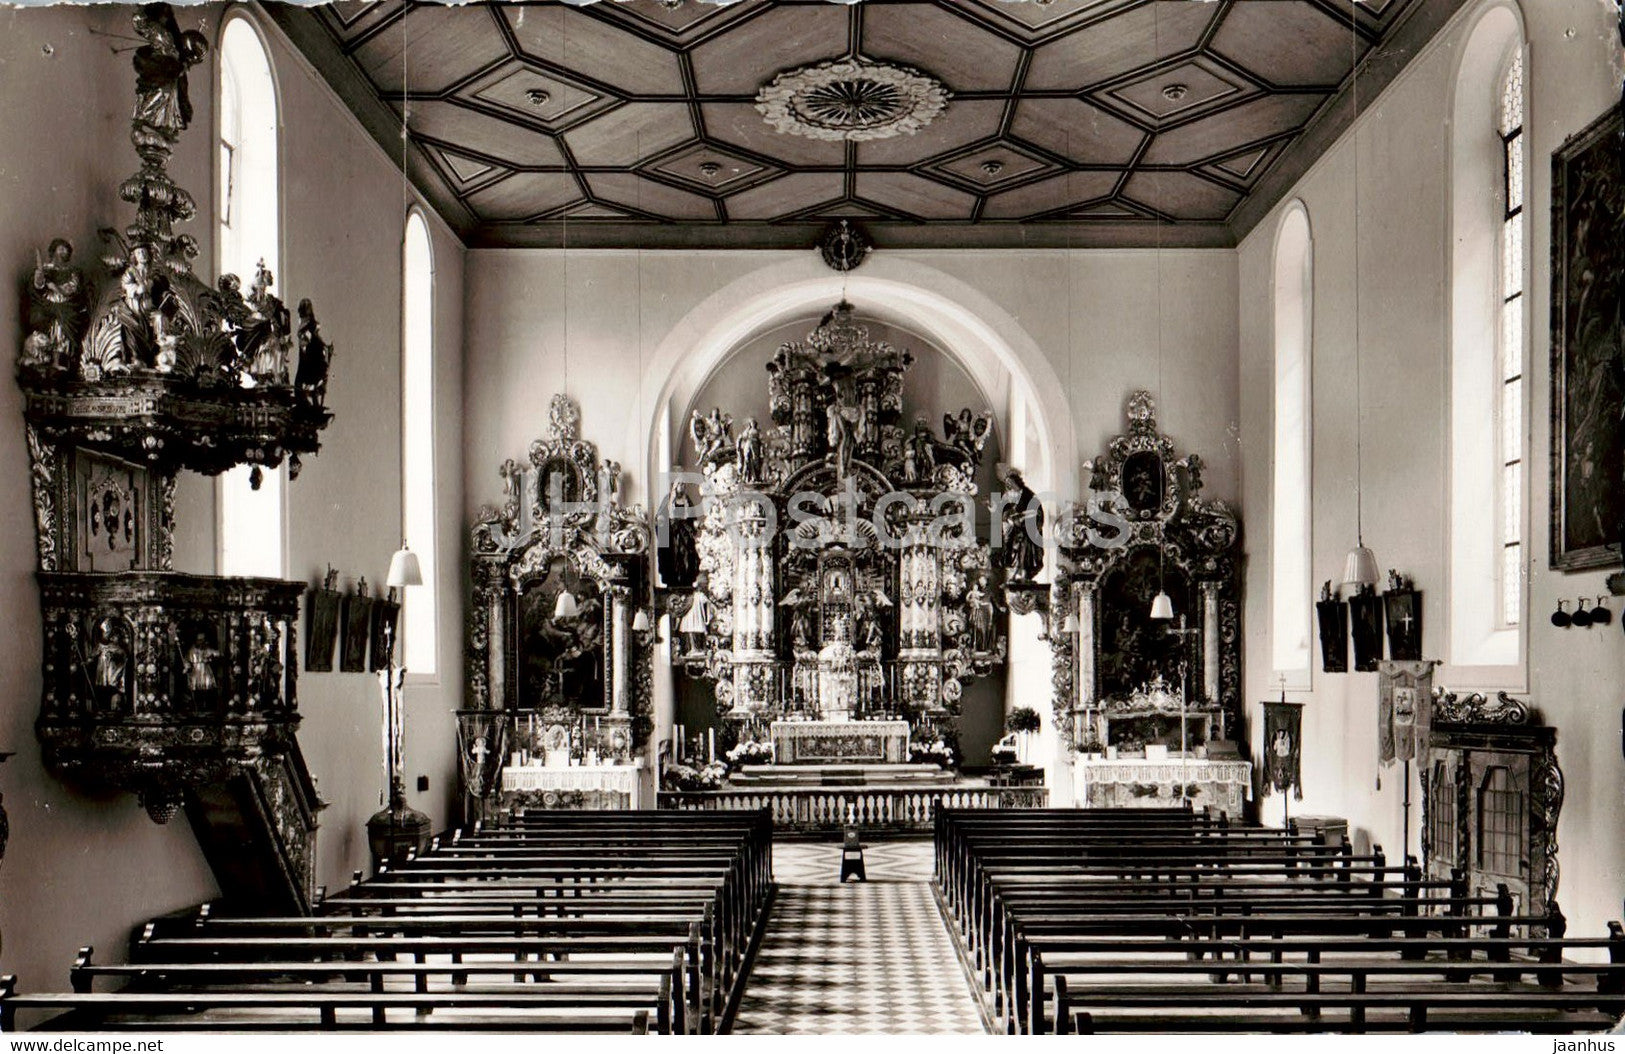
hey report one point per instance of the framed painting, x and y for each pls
(1588, 348)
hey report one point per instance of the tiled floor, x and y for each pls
(866, 957)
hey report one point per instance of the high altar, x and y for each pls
(855, 625)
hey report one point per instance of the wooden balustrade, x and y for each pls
(832, 808)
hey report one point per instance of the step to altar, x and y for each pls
(879, 775)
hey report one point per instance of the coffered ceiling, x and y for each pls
(1072, 122)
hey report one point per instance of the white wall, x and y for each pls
(1404, 143)
(601, 316)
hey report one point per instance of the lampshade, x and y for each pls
(1070, 624)
(640, 622)
(404, 569)
(566, 606)
(1361, 568)
(1162, 606)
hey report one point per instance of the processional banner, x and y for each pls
(1283, 747)
(1404, 709)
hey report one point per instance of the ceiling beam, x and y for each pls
(609, 234)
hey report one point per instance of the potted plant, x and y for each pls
(749, 752)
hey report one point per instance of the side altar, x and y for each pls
(1148, 684)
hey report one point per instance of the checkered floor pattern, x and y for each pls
(866, 957)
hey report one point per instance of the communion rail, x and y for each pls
(832, 808)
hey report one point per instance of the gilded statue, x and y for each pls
(270, 325)
(58, 305)
(712, 435)
(749, 450)
(162, 101)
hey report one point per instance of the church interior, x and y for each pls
(796, 516)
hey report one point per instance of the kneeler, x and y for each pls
(852, 856)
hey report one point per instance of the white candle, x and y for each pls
(713, 746)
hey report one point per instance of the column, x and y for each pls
(1210, 641)
(619, 643)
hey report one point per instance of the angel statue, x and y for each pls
(162, 102)
(749, 447)
(58, 304)
(967, 434)
(712, 434)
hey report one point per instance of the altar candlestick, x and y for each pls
(712, 749)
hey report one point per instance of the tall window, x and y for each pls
(418, 636)
(1290, 587)
(1510, 444)
(250, 522)
(1489, 344)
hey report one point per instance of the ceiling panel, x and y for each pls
(915, 196)
(430, 49)
(1289, 43)
(783, 196)
(741, 124)
(962, 54)
(643, 113)
(1048, 195)
(961, 124)
(1109, 49)
(782, 36)
(524, 194)
(645, 195)
(1181, 195)
(1077, 130)
(626, 135)
(621, 60)
(1262, 118)
(480, 134)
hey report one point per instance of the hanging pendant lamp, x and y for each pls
(566, 606)
(640, 621)
(1162, 606)
(1360, 569)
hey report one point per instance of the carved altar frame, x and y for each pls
(1120, 519)
(578, 519)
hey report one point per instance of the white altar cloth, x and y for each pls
(606, 780)
(1127, 783)
(838, 742)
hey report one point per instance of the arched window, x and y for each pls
(1514, 263)
(1489, 346)
(419, 613)
(1290, 585)
(250, 522)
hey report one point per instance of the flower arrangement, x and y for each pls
(688, 778)
(750, 752)
(937, 753)
(1023, 719)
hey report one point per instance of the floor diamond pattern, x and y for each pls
(866, 957)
